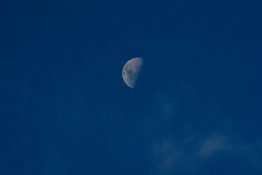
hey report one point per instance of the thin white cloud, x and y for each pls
(164, 156)
(168, 154)
(213, 144)
(180, 148)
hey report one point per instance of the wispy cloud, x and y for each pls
(175, 150)
(166, 154)
(169, 155)
(213, 144)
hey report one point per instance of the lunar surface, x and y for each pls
(131, 71)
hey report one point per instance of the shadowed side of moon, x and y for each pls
(131, 71)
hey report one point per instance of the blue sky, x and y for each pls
(64, 108)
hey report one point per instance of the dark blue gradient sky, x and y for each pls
(196, 110)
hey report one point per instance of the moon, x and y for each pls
(131, 71)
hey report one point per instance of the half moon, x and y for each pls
(131, 71)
